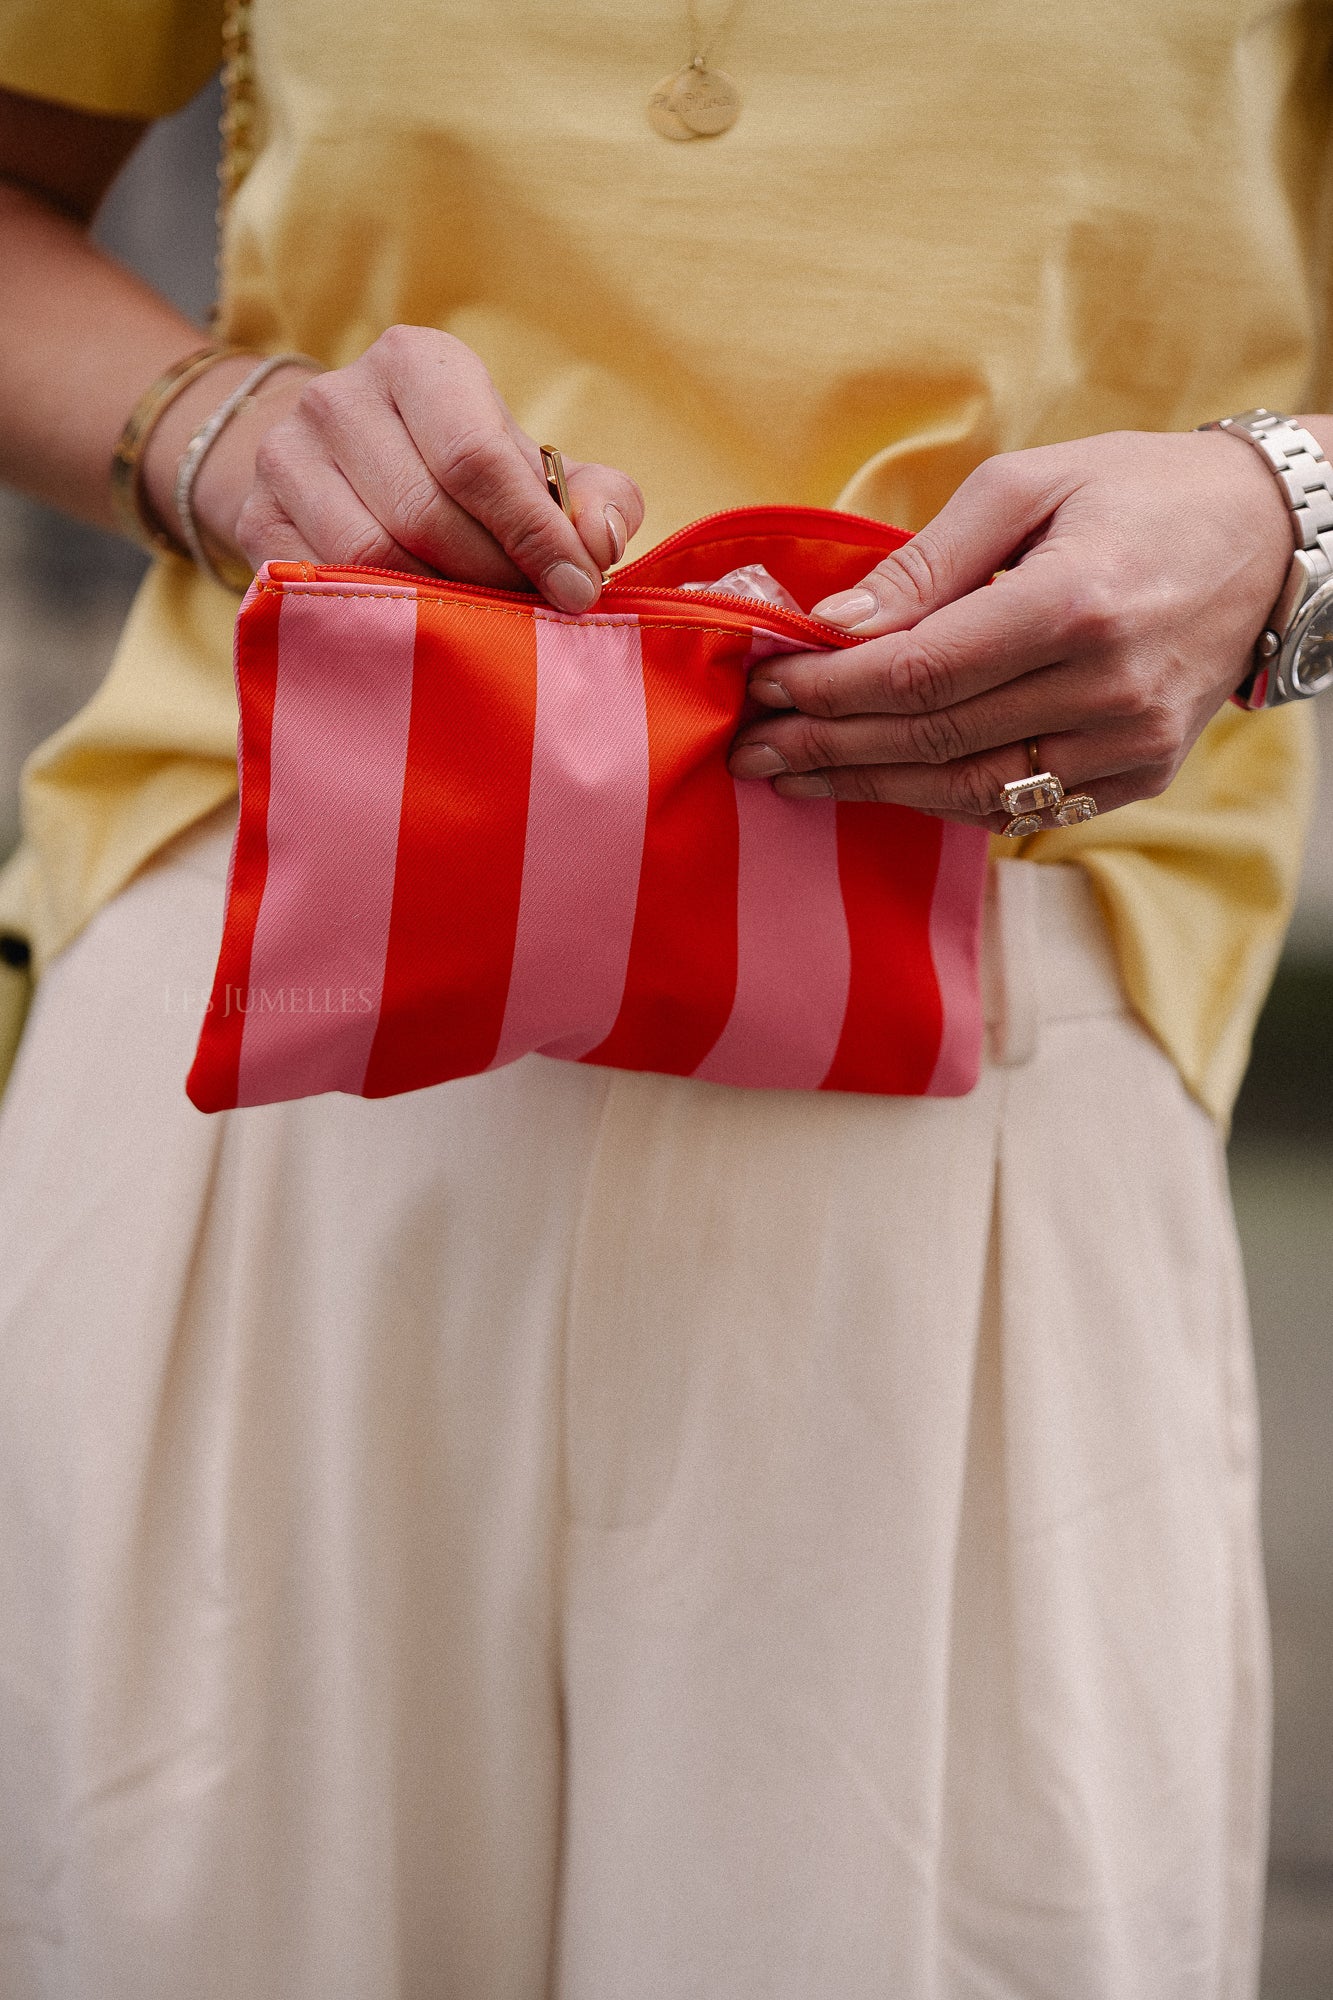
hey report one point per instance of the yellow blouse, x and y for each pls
(934, 233)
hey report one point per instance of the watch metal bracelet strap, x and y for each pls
(1297, 462)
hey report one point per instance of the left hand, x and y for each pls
(1139, 568)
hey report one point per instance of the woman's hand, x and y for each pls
(407, 459)
(1138, 571)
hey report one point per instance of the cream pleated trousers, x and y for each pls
(611, 1537)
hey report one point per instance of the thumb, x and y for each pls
(607, 508)
(995, 510)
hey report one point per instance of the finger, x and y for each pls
(879, 785)
(859, 745)
(459, 426)
(307, 490)
(973, 788)
(276, 538)
(1053, 701)
(1043, 612)
(995, 510)
(607, 508)
(355, 428)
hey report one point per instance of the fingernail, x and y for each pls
(809, 785)
(772, 694)
(568, 588)
(616, 529)
(757, 760)
(848, 608)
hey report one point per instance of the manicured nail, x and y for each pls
(757, 760)
(568, 588)
(848, 608)
(809, 785)
(772, 694)
(616, 529)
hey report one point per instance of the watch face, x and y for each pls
(1311, 668)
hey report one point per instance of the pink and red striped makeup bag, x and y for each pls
(472, 827)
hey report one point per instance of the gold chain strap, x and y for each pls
(238, 101)
(237, 124)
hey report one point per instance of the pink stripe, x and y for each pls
(341, 713)
(955, 947)
(764, 645)
(793, 952)
(586, 812)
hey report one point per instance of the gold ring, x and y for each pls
(1075, 806)
(1026, 799)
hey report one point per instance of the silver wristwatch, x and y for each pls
(1294, 656)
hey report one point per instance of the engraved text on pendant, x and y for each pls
(695, 103)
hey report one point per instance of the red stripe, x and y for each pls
(682, 964)
(888, 857)
(460, 845)
(214, 1076)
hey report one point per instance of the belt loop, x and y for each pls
(1019, 941)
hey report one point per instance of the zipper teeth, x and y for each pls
(660, 593)
(669, 593)
(725, 599)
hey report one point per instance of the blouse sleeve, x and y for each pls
(129, 58)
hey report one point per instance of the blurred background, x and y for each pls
(63, 593)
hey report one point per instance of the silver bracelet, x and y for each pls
(197, 450)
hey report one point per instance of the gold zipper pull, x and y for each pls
(553, 465)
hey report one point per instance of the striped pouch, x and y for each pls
(472, 827)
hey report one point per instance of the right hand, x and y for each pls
(408, 459)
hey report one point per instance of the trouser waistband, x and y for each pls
(1046, 954)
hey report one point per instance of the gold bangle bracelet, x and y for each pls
(127, 497)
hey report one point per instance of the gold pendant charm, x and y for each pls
(662, 115)
(707, 100)
(695, 103)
